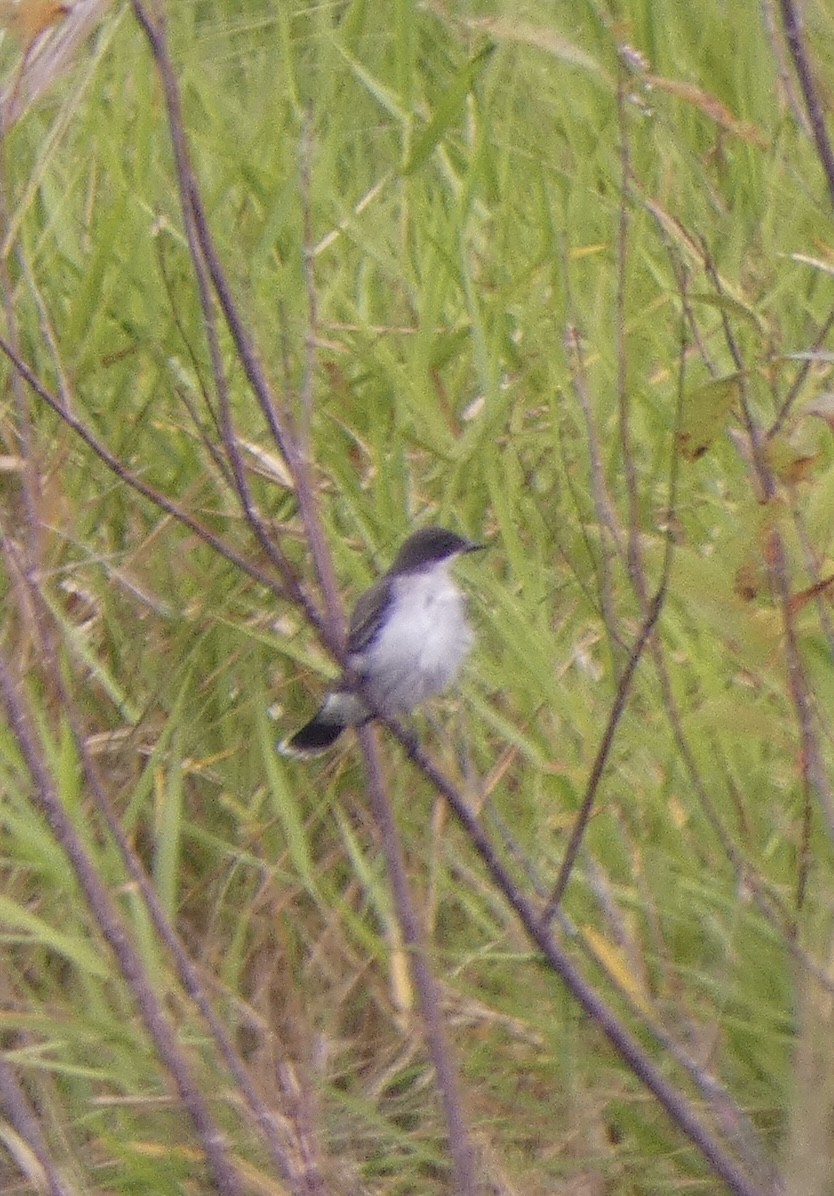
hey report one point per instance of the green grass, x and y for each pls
(465, 200)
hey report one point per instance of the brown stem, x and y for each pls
(437, 1039)
(619, 1036)
(289, 587)
(583, 817)
(813, 769)
(224, 1176)
(26, 1123)
(277, 421)
(288, 1144)
(792, 23)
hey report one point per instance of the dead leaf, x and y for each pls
(749, 581)
(805, 596)
(789, 462)
(26, 20)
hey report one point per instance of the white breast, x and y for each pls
(423, 643)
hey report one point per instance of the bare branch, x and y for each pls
(792, 24)
(288, 588)
(619, 1036)
(813, 770)
(604, 508)
(623, 690)
(278, 421)
(298, 1166)
(224, 1177)
(801, 375)
(649, 622)
(26, 1123)
(437, 1039)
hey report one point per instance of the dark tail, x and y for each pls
(314, 737)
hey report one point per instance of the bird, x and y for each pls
(408, 637)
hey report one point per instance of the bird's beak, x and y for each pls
(475, 546)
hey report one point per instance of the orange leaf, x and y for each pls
(27, 19)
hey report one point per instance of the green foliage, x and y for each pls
(510, 214)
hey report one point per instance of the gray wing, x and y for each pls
(369, 615)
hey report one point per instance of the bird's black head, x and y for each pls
(428, 547)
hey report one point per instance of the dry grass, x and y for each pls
(562, 284)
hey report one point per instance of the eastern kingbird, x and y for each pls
(407, 639)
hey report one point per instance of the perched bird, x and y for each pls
(407, 639)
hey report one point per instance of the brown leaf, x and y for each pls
(27, 19)
(748, 581)
(789, 463)
(805, 596)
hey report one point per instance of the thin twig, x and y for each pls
(606, 515)
(437, 1039)
(197, 237)
(277, 420)
(26, 1122)
(812, 569)
(813, 770)
(299, 1167)
(649, 622)
(288, 588)
(801, 375)
(792, 24)
(783, 69)
(634, 555)
(601, 759)
(296, 454)
(224, 1176)
(619, 1036)
(596, 563)
(208, 444)
(30, 514)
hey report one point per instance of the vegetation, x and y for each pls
(280, 282)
